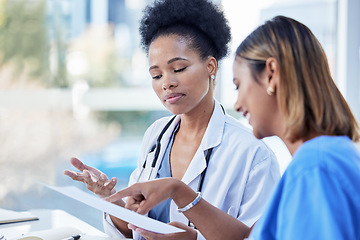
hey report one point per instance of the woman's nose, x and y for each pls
(169, 83)
(237, 106)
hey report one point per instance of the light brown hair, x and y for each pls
(307, 95)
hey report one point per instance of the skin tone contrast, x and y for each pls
(266, 120)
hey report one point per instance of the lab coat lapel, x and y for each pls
(211, 139)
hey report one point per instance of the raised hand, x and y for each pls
(95, 180)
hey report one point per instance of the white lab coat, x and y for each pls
(241, 175)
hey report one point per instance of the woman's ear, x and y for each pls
(272, 75)
(212, 66)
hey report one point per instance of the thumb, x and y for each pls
(148, 203)
(178, 225)
(144, 207)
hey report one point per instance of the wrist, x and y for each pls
(182, 194)
(191, 204)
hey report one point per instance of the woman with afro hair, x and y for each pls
(204, 147)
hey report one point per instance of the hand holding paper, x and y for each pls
(190, 233)
(117, 211)
(142, 197)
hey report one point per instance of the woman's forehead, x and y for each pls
(169, 47)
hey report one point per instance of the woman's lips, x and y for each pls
(247, 115)
(173, 97)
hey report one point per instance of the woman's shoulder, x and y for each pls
(323, 148)
(334, 156)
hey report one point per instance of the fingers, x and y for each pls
(82, 167)
(79, 164)
(132, 227)
(179, 225)
(150, 235)
(104, 186)
(147, 195)
(189, 234)
(119, 195)
(88, 179)
(147, 204)
(147, 234)
(99, 185)
(95, 181)
(74, 175)
(110, 186)
(132, 204)
(136, 200)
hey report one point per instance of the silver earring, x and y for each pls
(270, 91)
(212, 76)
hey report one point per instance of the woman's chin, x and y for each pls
(259, 134)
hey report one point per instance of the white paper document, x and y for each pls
(117, 211)
(10, 216)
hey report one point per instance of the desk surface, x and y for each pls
(49, 219)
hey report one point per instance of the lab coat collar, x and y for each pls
(211, 139)
(215, 128)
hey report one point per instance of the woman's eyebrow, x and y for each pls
(177, 59)
(170, 61)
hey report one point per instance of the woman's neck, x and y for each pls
(293, 146)
(196, 122)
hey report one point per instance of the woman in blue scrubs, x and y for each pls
(284, 84)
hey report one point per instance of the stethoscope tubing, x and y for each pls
(157, 147)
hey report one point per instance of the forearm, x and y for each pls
(209, 220)
(121, 225)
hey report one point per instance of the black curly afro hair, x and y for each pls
(200, 22)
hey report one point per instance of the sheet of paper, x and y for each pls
(10, 216)
(115, 210)
(51, 234)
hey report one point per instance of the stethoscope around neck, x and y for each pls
(157, 146)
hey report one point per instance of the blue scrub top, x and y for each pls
(318, 196)
(161, 212)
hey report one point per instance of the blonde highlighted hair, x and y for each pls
(307, 95)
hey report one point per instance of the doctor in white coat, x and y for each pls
(201, 145)
(240, 176)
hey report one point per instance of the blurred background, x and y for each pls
(74, 82)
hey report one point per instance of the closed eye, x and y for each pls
(180, 70)
(156, 77)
